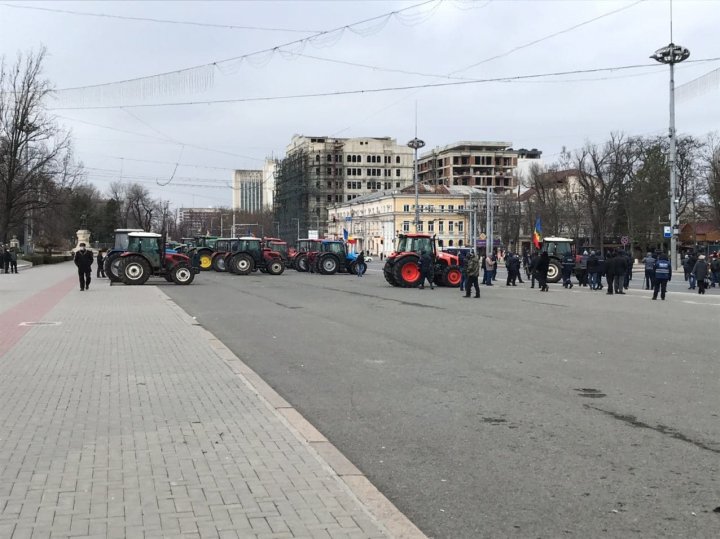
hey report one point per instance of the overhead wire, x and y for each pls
(156, 20)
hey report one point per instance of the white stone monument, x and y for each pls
(83, 236)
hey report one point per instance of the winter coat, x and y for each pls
(84, 259)
(472, 266)
(700, 270)
(592, 264)
(543, 265)
(514, 264)
(649, 262)
(663, 269)
(425, 263)
(568, 262)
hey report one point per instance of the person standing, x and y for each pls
(100, 264)
(83, 261)
(568, 265)
(426, 269)
(526, 263)
(462, 259)
(534, 260)
(610, 272)
(360, 264)
(649, 262)
(629, 262)
(489, 270)
(700, 271)
(620, 269)
(6, 260)
(542, 268)
(715, 269)
(13, 260)
(663, 274)
(690, 261)
(592, 271)
(472, 270)
(495, 264)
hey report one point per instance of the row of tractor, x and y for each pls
(138, 255)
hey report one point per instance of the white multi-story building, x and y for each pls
(247, 191)
(268, 184)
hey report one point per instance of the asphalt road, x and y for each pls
(523, 414)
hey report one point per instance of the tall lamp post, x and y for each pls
(416, 144)
(671, 55)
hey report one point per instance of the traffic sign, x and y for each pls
(624, 240)
(667, 232)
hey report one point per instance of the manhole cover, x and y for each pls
(39, 323)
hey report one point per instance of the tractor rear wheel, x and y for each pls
(242, 263)
(112, 267)
(389, 277)
(301, 263)
(328, 265)
(553, 272)
(275, 267)
(134, 270)
(182, 274)
(218, 263)
(451, 276)
(407, 273)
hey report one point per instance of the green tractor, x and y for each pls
(203, 248)
(146, 256)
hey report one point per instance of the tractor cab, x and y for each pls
(414, 243)
(402, 266)
(277, 245)
(556, 248)
(304, 248)
(147, 244)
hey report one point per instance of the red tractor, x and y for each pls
(402, 267)
(304, 247)
(279, 246)
(146, 256)
(223, 246)
(249, 255)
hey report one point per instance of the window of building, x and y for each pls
(397, 159)
(397, 185)
(317, 200)
(329, 170)
(387, 185)
(420, 226)
(460, 227)
(451, 227)
(461, 207)
(397, 172)
(349, 197)
(329, 184)
(442, 207)
(406, 226)
(441, 227)
(451, 207)
(431, 226)
(329, 198)
(317, 158)
(406, 208)
(349, 158)
(348, 185)
(338, 198)
(317, 171)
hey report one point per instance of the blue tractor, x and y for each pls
(333, 257)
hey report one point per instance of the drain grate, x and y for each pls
(39, 323)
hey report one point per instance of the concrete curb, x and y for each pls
(374, 502)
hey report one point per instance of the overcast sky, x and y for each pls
(438, 38)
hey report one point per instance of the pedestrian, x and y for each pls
(489, 270)
(462, 261)
(426, 269)
(13, 260)
(360, 264)
(663, 274)
(518, 265)
(100, 264)
(514, 269)
(629, 261)
(610, 272)
(6, 260)
(526, 263)
(568, 265)
(715, 269)
(690, 261)
(495, 264)
(592, 266)
(649, 263)
(700, 271)
(83, 261)
(617, 266)
(542, 268)
(534, 260)
(472, 269)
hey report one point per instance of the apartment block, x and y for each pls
(247, 189)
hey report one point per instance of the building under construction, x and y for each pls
(318, 172)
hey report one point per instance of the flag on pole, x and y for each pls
(537, 234)
(345, 234)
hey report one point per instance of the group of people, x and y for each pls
(701, 273)
(9, 260)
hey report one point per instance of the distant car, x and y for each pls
(368, 259)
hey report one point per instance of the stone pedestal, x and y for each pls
(15, 243)
(83, 236)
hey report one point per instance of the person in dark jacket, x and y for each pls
(649, 263)
(100, 272)
(629, 261)
(13, 260)
(426, 269)
(592, 270)
(715, 270)
(462, 262)
(601, 270)
(472, 269)
(512, 262)
(534, 261)
(541, 269)
(700, 271)
(568, 265)
(690, 261)
(663, 274)
(619, 270)
(360, 264)
(6, 260)
(83, 261)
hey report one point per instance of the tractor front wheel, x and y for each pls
(301, 263)
(407, 273)
(218, 263)
(182, 274)
(205, 259)
(134, 270)
(275, 267)
(554, 273)
(112, 268)
(451, 276)
(328, 265)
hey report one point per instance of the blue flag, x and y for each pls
(345, 234)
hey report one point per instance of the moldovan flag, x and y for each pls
(537, 234)
(345, 234)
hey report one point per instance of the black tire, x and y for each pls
(398, 272)
(554, 272)
(218, 263)
(182, 274)
(134, 270)
(168, 277)
(389, 274)
(112, 268)
(228, 264)
(449, 274)
(301, 263)
(328, 264)
(242, 264)
(275, 267)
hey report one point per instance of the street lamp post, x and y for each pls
(416, 144)
(671, 55)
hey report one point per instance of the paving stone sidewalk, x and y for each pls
(121, 418)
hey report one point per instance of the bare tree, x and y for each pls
(711, 181)
(35, 154)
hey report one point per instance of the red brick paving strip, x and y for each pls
(30, 310)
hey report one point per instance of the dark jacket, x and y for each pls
(514, 263)
(84, 259)
(360, 259)
(568, 262)
(663, 269)
(592, 264)
(472, 266)
(543, 265)
(617, 265)
(700, 270)
(425, 263)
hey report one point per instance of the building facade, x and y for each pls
(247, 189)
(268, 184)
(374, 221)
(319, 172)
(471, 163)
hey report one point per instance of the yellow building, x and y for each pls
(375, 220)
